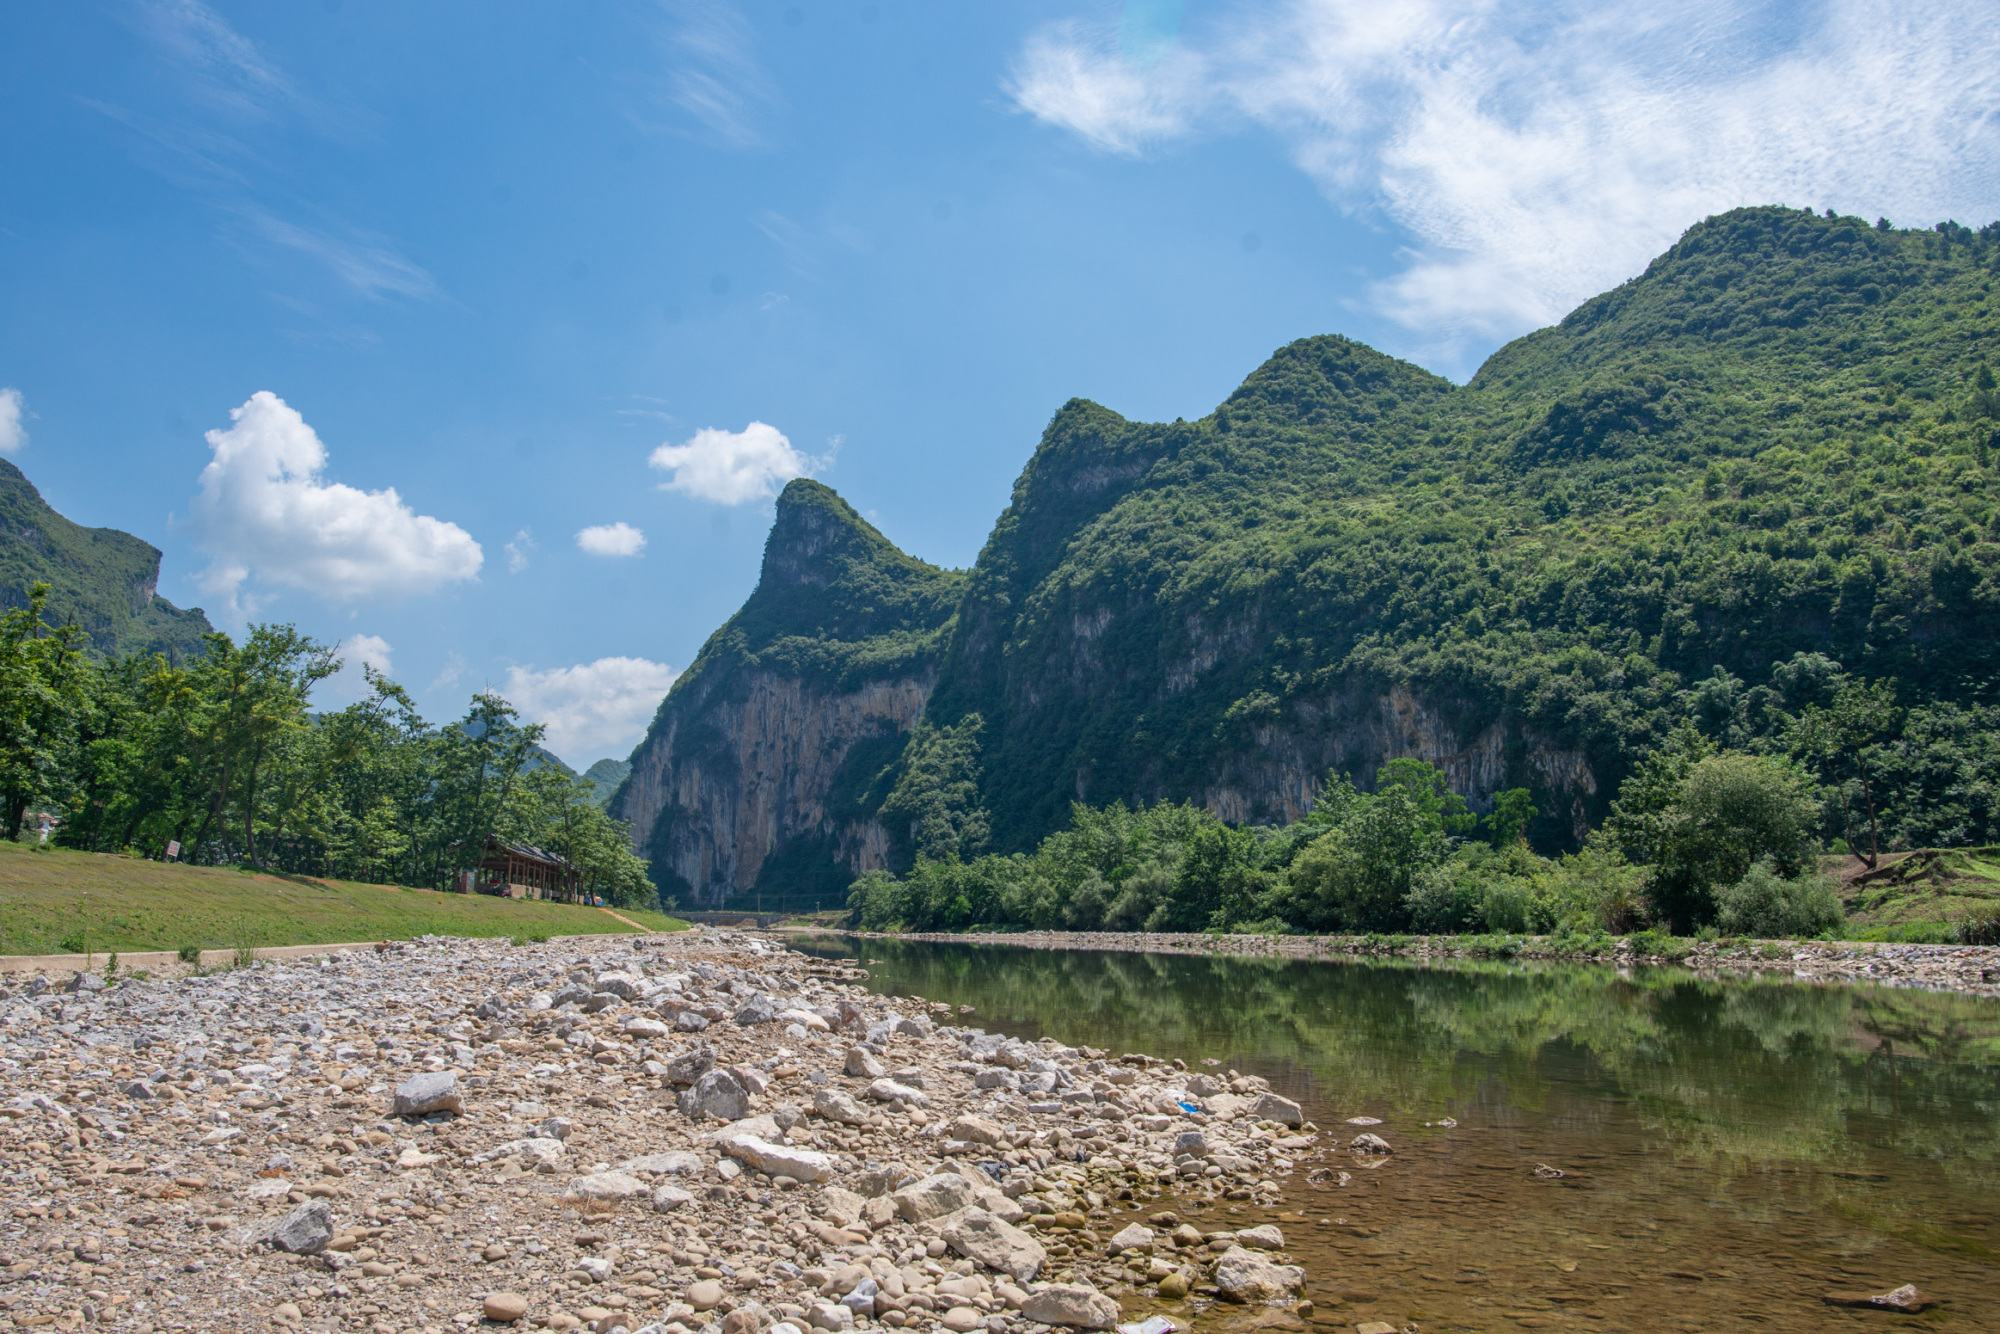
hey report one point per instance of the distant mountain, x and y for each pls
(99, 578)
(1782, 439)
(607, 774)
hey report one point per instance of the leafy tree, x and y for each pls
(40, 695)
(1839, 736)
(1729, 812)
(1513, 811)
(934, 809)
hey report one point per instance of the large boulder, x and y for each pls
(305, 1230)
(977, 1130)
(718, 1095)
(985, 1239)
(686, 1067)
(1137, 1237)
(432, 1091)
(1245, 1276)
(837, 1106)
(1271, 1107)
(863, 1064)
(606, 1186)
(757, 1010)
(933, 1197)
(622, 985)
(778, 1159)
(1077, 1305)
(888, 1090)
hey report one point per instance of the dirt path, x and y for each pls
(636, 926)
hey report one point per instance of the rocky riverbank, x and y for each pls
(1974, 969)
(701, 1133)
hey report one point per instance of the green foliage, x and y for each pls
(1980, 928)
(1730, 811)
(934, 810)
(1773, 443)
(1773, 906)
(222, 755)
(1513, 811)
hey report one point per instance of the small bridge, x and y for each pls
(763, 921)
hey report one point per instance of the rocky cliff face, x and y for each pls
(746, 769)
(760, 773)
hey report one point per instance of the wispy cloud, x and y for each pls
(369, 265)
(230, 97)
(1538, 154)
(226, 68)
(517, 551)
(711, 86)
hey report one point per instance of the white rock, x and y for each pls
(606, 1186)
(888, 1090)
(1077, 1305)
(1245, 1276)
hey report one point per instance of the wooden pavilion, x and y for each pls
(519, 871)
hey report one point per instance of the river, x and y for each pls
(1730, 1151)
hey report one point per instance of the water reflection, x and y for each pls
(1763, 1140)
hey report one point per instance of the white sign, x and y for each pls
(173, 848)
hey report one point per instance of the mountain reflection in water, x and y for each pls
(1732, 1149)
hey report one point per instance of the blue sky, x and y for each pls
(584, 283)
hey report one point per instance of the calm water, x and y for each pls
(1732, 1150)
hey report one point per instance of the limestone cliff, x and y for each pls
(759, 773)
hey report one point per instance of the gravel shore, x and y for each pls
(699, 1133)
(1974, 969)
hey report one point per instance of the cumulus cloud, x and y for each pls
(1539, 154)
(349, 684)
(593, 709)
(265, 512)
(731, 467)
(12, 435)
(612, 539)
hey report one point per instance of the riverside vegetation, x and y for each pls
(219, 752)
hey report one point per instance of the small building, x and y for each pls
(520, 871)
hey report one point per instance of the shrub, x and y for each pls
(1765, 903)
(1980, 928)
(1440, 904)
(189, 953)
(1506, 906)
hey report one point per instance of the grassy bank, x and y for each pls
(57, 902)
(1917, 896)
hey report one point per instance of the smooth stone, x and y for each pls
(504, 1307)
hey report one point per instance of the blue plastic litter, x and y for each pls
(1189, 1107)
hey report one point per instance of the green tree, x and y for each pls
(41, 693)
(1513, 812)
(934, 810)
(1730, 811)
(1838, 738)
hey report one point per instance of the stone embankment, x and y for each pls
(701, 1133)
(1969, 968)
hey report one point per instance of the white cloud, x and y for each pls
(349, 684)
(731, 467)
(612, 539)
(366, 264)
(12, 436)
(712, 77)
(265, 512)
(593, 709)
(1539, 154)
(517, 551)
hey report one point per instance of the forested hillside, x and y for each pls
(1757, 475)
(100, 579)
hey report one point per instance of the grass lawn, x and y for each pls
(1920, 897)
(58, 902)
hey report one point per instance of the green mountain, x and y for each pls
(1778, 440)
(99, 578)
(607, 774)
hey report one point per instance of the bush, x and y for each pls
(1590, 891)
(1440, 904)
(190, 953)
(1766, 904)
(1506, 907)
(1980, 928)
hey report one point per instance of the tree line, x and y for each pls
(1721, 828)
(223, 755)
